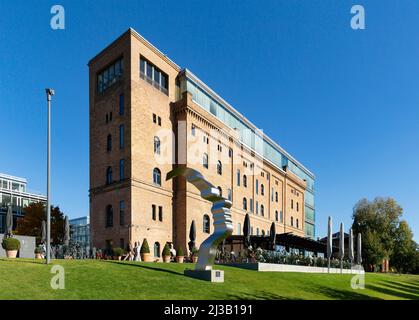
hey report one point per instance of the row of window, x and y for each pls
(109, 215)
(109, 116)
(154, 212)
(110, 75)
(121, 139)
(154, 75)
(109, 172)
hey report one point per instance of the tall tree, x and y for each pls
(384, 235)
(30, 223)
(404, 254)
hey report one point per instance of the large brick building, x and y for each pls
(147, 115)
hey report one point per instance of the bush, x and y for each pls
(10, 244)
(179, 252)
(117, 252)
(166, 250)
(144, 247)
(194, 251)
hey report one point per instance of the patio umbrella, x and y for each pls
(341, 245)
(9, 222)
(43, 232)
(329, 241)
(246, 230)
(351, 246)
(358, 251)
(272, 235)
(192, 236)
(66, 231)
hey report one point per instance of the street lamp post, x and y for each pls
(49, 93)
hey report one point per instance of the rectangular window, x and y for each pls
(121, 136)
(251, 205)
(160, 213)
(257, 207)
(121, 169)
(230, 195)
(239, 229)
(193, 130)
(121, 104)
(110, 75)
(122, 213)
(153, 214)
(292, 204)
(159, 121)
(122, 243)
(154, 75)
(257, 186)
(154, 118)
(238, 178)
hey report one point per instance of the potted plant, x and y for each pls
(145, 252)
(179, 255)
(194, 255)
(166, 253)
(38, 253)
(117, 253)
(11, 246)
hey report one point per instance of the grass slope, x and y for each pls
(89, 279)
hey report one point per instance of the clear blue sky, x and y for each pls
(345, 103)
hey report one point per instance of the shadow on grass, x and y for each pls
(18, 260)
(144, 267)
(392, 292)
(258, 295)
(339, 294)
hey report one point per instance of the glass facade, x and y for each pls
(13, 191)
(110, 75)
(80, 231)
(250, 136)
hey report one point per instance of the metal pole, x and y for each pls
(50, 93)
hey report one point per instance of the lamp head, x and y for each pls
(50, 92)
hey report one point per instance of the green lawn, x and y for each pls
(88, 279)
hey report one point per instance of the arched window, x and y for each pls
(221, 191)
(245, 181)
(109, 175)
(276, 215)
(276, 196)
(157, 176)
(244, 204)
(206, 224)
(109, 216)
(109, 143)
(157, 249)
(262, 189)
(297, 223)
(292, 221)
(205, 160)
(156, 145)
(219, 167)
(298, 206)
(262, 210)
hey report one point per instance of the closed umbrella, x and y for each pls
(358, 251)
(272, 235)
(341, 245)
(329, 241)
(9, 222)
(192, 236)
(246, 230)
(66, 231)
(43, 232)
(351, 246)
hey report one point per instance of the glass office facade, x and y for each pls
(13, 191)
(80, 231)
(252, 138)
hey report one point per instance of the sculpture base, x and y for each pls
(206, 275)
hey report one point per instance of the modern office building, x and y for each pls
(13, 190)
(80, 231)
(147, 116)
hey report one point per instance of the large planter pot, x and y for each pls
(195, 259)
(38, 256)
(11, 253)
(179, 259)
(146, 257)
(166, 259)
